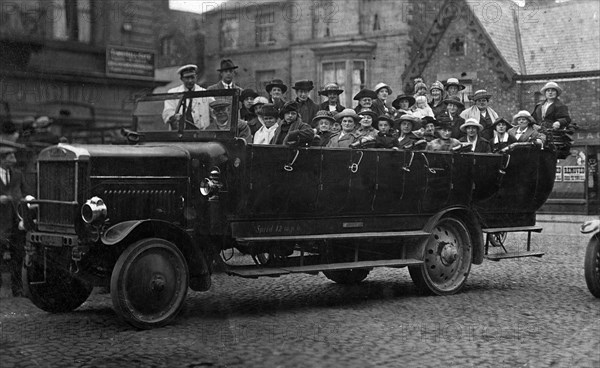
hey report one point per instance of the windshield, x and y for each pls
(210, 111)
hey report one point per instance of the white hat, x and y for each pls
(186, 68)
(552, 85)
(470, 122)
(380, 86)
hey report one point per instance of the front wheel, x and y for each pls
(149, 283)
(347, 277)
(447, 259)
(592, 266)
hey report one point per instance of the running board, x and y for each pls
(254, 271)
(388, 234)
(498, 256)
(535, 229)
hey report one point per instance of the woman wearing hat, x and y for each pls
(551, 113)
(366, 128)
(332, 92)
(307, 109)
(445, 142)
(472, 128)
(523, 129)
(482, 113)
(323, 120)
(276, 90)
(454, 88)
(402, 104)
(247, 99)
(268, 115)
(380, 106)
(502, 138)
(437, 98)
(256, 123)
(420, 87)
(348, 119)
(292, 130)
(453, 108)
(407, 124)
(365, 98)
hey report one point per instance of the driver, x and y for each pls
(196, 110)
(220, 120)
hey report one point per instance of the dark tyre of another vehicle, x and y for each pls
(447, 259)
(149, 283)
(591, 267)
(60, 292)
(347, 277)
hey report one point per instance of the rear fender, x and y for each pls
(127, 232)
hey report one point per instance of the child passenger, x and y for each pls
(385, 137)
(267, 115)
(421, 108)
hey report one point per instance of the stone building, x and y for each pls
(512, 51)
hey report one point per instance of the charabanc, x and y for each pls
(155, 216)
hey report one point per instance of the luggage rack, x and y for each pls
(506, 254)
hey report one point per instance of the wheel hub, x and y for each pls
(157, 283)
(448, 252)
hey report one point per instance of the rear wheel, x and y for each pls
(149, 283)
(592, 266)
(60, 292)
(447, 259)
(347, 277)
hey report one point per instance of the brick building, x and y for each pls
(512, 51)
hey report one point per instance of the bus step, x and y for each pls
(498, 256)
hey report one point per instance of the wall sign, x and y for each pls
(126, 62)
(574, 173)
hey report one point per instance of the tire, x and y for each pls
(347, 277)
(591, 266)
(447, 259)
(59, 294)
(149, 283)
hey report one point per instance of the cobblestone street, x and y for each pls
(534, 312)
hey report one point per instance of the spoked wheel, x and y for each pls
(497, 239)
(591, 267)
(347, 277)
(447, 259)
(149, 283)
(56, 292)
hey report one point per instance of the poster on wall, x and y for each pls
(558, 176)
(573, 173)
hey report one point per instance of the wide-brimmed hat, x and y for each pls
(367, 111)
(382, 85)
(500, 120)
(260, 100)
(443, 122)
(414, 120)
(551, 85)
(276, 83)
(470, 122)
(396, 102)
(438, 85)
(331, 88)
(455, 100)
(523, 114)
(323, 114)
(365, 93)
(290, 106)
(268, 109)
(304, 85)
(347, 112)
(428, 120)
(249, 92)
(227, 64)
(482, 93)
(187, 70)
(454, 82)
(7, 146)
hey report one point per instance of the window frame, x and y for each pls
(270, 27)
(346, 100)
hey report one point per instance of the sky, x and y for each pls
(196, 6)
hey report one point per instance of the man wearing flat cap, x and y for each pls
(307, 109)
(196, 110)
(226, 72)
(332, 92)
(221, 120)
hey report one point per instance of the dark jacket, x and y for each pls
(482, 145)
(322, 138)
(455, 122)
(14, 190)
(298, 131)
(307, 110)
(558, 111)
(220, 85)
(408, 141)
(246, 114)
(386, 140)
(500, 145)
(438, 110)
(254, 124)
(325, 106)
(379, 108)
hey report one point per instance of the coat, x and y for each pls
(243, 130)
(439, 109)
(386, 140)
(307, 110)
(338, 141)
(298, 131)
(325, 106)
(200, 107)
(482, 145)
(408, 141)
(380, 108)
(557, 111)
(474, 113)
(530, 135)
(220, 85)
(497, 146)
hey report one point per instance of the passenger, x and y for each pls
(501, 138)
(366, 128)
(524, 131)
(292, 130)
(247, 99)
(429, 126)
(348, 120)
(385, 137)
(276, 90)
(453, 88)
(421, 108)
(220, 120)
(473, 139)
(336, 127)
(482, 113)
(226, 74)
(420, 88)
(445, 142)
(551, 113)
(267, 114)
(197, 114)
(453, 108)
(407, 123)
(380, 105)
(324, 119)
(332, 92)
(365, 98)
(402, 104)
(437, 104)
(255, 123)
(307, 109)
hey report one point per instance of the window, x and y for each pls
(457, 46)
(167, 46)
(229, 33)
(71, 20)
(264, 28)
(348, 74)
